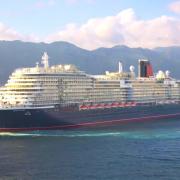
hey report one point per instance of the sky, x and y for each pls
(91, 24)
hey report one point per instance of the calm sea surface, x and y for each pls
(148, 150)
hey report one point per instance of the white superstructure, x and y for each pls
(46, 85)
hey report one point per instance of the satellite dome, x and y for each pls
(132, 68)
(167, 73)
(160, 75)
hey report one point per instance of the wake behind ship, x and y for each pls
(61, 96)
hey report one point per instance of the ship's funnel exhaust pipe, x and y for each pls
(145, 68)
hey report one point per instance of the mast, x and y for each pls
(120, 67)
(45, 61)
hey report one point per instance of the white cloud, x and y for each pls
(44, 4)
(77, 1)
(9, 34)
(71, 1)
(175, 7)
(123, 28)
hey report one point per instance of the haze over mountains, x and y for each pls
(16, 54)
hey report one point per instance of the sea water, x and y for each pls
(146, 150)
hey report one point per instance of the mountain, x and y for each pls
(17, 54)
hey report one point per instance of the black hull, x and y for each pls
(53, 119)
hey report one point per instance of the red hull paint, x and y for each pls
(92, 124)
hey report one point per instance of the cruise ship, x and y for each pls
(61, 96)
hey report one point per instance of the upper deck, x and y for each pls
(46, 69)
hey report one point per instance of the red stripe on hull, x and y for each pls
(90, 124)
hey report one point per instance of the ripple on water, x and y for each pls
(165, 129)
(139, 134)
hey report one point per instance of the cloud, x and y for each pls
(77, 1)
(44, 4)
(175, 7)
(9, 34)
(123, 28)
(71, 1)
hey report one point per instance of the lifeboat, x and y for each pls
(83, 107)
